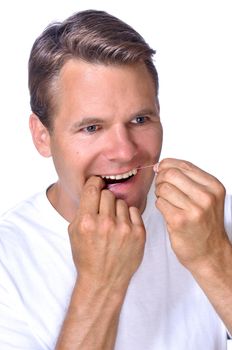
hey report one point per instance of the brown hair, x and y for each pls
(91, 35)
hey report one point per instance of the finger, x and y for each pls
(135, 216)
(107, 203)
(169, 211)
(173, 181)
(192, 171)
(173, 195)
(122, 210)
(90, 196)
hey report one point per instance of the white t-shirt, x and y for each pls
(164, 308)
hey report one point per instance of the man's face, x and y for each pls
(107, 124)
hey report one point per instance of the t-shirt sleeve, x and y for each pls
(15, 332)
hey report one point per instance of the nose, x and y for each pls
(120, 145)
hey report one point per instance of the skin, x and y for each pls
(98, 130)
(107, 123)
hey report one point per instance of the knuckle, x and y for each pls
(171, 173)
(179, 221)
(159, 202)
(140, 232)
(125, 228)
(207, 199)
(87, 223)
(220, 189)
(165, 161)
(196, 214)
(91, 189)
(217, 187)
(164, 189)
(107, 224)
(184, 164)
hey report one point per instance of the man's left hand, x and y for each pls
(192, 203)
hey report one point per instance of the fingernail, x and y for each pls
(156, 168)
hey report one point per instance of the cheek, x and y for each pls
(152, 141)
(66, 159)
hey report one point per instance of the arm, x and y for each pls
(192, 202)
(107, 240)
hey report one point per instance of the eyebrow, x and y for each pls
(94, 120)
(87, 121)
(146, 111)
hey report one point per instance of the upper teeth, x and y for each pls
(121, 176)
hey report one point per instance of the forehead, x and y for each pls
(86, 88)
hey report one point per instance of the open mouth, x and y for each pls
(120, 178)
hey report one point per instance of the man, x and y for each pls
(103, 259)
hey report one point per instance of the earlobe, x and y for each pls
(40, 136)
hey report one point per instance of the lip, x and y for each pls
(122, 186)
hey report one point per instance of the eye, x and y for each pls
(90, 129)
(140, 119)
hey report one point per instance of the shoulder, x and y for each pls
(31, 223)
(23, 211)
(17, 222)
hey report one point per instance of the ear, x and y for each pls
(40, 136)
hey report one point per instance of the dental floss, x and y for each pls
(146, 166)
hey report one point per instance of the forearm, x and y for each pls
(107, 239)
(215, 278)
(92, 319)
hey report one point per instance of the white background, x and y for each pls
(193, 40)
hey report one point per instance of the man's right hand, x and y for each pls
(107, 238)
